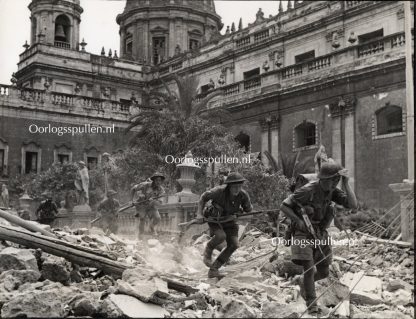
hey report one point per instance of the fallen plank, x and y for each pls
(83, 256)
(80, 255)
(24, 223)
(397, 243)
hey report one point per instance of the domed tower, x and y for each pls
(154, 30)
(55, 22)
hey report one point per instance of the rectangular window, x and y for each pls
(251, 74)
(368, 37)
(307, 56)
(158, 49)
(310, 135)
(2, 160)
(31, 162)
(63, 158)
(92, 162)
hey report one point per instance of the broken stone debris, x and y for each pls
(34, 283)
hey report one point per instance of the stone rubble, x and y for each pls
(257, 282)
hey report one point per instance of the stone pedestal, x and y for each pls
(81, 216)
(63, 219)
(26, 203)
(407, 209)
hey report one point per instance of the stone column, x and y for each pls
(407, 210)
(270, 137)
(171, 38)
(274, 137)
(343, 134)
(122, 38)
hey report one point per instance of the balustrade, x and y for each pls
(292, 71)
(232, 89)
(398, 40)
(32, 95)
(261, 35)
(91, 103)
(371, 48)
(319, 63)
(252, 83)
(4, 90)
(177, 66)
(63, 45)
(243, 42)
(62, 99)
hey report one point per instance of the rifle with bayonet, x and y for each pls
(132, 204)
(221, 220)
(129, 205)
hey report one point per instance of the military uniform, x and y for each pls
(318, 207)
(226, 205)
(145, 191)
(108, 209)
(46, 212)
(315, 198)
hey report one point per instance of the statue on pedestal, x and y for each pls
(82, 182)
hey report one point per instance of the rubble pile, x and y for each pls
(165, 279)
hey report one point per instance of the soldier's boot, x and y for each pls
(208, 256)
(298, 280)
(214, 270)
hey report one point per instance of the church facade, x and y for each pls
(328, 73)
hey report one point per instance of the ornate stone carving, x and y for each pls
(343, 105)
(271, 121)
(330, 36)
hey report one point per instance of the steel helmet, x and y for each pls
(157, 174)
(234, 178)
(329, 170)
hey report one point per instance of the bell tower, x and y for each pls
(55, 22)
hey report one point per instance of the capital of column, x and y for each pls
(343, 105)
(271, 121)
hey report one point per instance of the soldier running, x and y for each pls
(108, 211)
(227, 199)
(149, 190)
(47, 210)
(315, 197)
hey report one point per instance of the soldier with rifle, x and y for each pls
(108, 214)
(47, 210)
(146, 195)
(308, 209)
(227, 200)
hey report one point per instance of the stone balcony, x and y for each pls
(353, 58)
(32, 99)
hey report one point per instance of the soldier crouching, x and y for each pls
(315, 199)
(228, 199)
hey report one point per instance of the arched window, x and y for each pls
(62, 31)
(244, 141)
(305, 134)
(389, 120)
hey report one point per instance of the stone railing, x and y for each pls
(46, 99)
(321, 65)
(252, 83)
(62, 99)
(353, 4)
(63, 45)
(371, 48)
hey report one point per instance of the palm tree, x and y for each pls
(181, 105)
(290, 165)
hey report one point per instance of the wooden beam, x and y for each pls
(77, 254)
